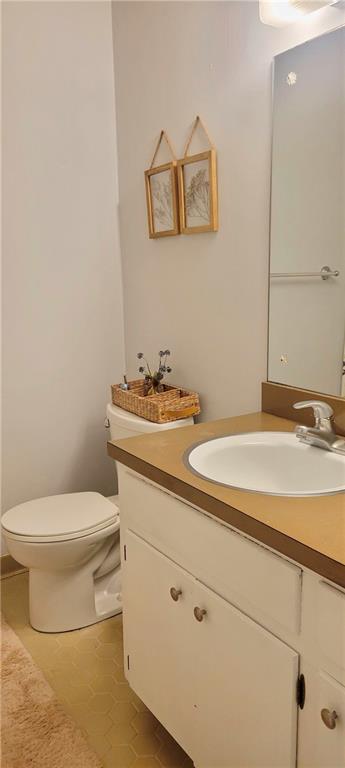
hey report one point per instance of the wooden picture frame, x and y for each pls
(161, 198)
(198, 193)
(197, 187)
(161, 195)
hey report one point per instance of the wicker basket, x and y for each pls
(170, 405)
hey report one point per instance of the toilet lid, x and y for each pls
(64, 515)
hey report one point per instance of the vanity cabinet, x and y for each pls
(211, 674)
(218, 630)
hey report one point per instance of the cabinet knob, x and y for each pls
(329, 718)
(199, 613)
(175, 593)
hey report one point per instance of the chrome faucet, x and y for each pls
(322, 435)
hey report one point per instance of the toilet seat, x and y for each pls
(60, 518)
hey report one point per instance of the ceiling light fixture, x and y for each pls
(279, 13)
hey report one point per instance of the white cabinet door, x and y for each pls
(246, 691)
(157, 637)
(318, 745)
(224, 687)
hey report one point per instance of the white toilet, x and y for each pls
(71, 545)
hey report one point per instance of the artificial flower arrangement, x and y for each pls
(153, 382)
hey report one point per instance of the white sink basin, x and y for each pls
(268, 462)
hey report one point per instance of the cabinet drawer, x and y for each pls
(261, 583)
(331, 629)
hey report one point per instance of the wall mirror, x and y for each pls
(307, 248)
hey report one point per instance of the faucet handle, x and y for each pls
(323, 412)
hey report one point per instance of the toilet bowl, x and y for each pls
(71, 545)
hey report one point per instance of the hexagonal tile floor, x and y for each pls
(85, 668)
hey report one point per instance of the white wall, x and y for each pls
(62, 298)
(204, 296)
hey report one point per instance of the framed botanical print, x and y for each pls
(161, 197)
(197, 184)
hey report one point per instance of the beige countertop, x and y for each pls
(310, 530)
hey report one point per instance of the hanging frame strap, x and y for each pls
(198, 121)
(163, 135)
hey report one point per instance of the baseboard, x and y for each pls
(9, 566)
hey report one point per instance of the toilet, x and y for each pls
(71, 545)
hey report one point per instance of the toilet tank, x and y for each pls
(125, 424)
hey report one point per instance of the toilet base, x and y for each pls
(108, 595)
(61, 601)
